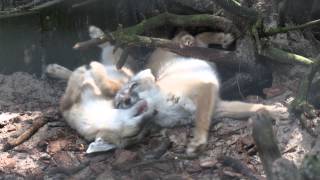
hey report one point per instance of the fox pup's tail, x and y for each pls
(242, 110)
(57, 71)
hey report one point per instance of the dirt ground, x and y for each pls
(56, 152)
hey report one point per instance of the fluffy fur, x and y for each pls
(185, 90)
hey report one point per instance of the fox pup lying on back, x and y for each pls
(185, 90)
(88, 108)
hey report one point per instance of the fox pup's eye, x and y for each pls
(133, 85)
(127, 101)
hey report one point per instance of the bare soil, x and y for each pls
(56, 151)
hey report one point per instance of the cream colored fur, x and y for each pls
(186, 90)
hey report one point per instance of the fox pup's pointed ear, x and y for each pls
(144, 75)
(95, 32)
(99, 145)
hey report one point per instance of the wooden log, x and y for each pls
(265, 140)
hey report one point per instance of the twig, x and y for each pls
(278, 30)
(69, 171)
(83, 3)
(37, 123)
(285, 57)
(27, 10)
(144, 163)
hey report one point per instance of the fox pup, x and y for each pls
(87, 106)
(109, 58)
(160, 56)
(182, 91)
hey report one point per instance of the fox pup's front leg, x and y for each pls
(107, 85)
(206, 103)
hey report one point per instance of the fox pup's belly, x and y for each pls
(175, 111)
(87, 118)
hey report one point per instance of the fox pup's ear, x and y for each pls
(144, 75)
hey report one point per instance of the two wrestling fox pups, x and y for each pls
(115, 107)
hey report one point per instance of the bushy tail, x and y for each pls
(57, 71)
(242, 110)
(95, 32)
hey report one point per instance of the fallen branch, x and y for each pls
(143, 41)
(300, 104)
(278, 30)
(282, 56)
(265, 140)
(30, 8)
(130, 34)
(38, 122)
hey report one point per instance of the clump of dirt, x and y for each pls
(24, 92)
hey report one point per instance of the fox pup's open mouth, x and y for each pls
(142, 107)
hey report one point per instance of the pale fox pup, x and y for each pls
(185, 90)
(87, 104)
(88, 108)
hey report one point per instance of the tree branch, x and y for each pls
(285, 57)
(235, 8)
(278, 30)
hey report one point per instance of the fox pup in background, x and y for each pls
(184, 90)
(160, 56)
(88, 108)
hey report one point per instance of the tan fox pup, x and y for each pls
(161, 56)
(185, 90)
(88, 108)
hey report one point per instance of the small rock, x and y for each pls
(149, 175)
(45, 156)
(193, 166)
(175, 177)
(106, 175)
(208, 163)
(124, 156)
(65, 160)
(57, 145)
(7, 162)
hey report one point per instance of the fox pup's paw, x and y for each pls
(278, 111)
(195, 145)
(90, 83)
(57, 71)
(97, 69)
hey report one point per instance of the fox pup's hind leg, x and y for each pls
(107, 85)
(206, 102)
(73, 90)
